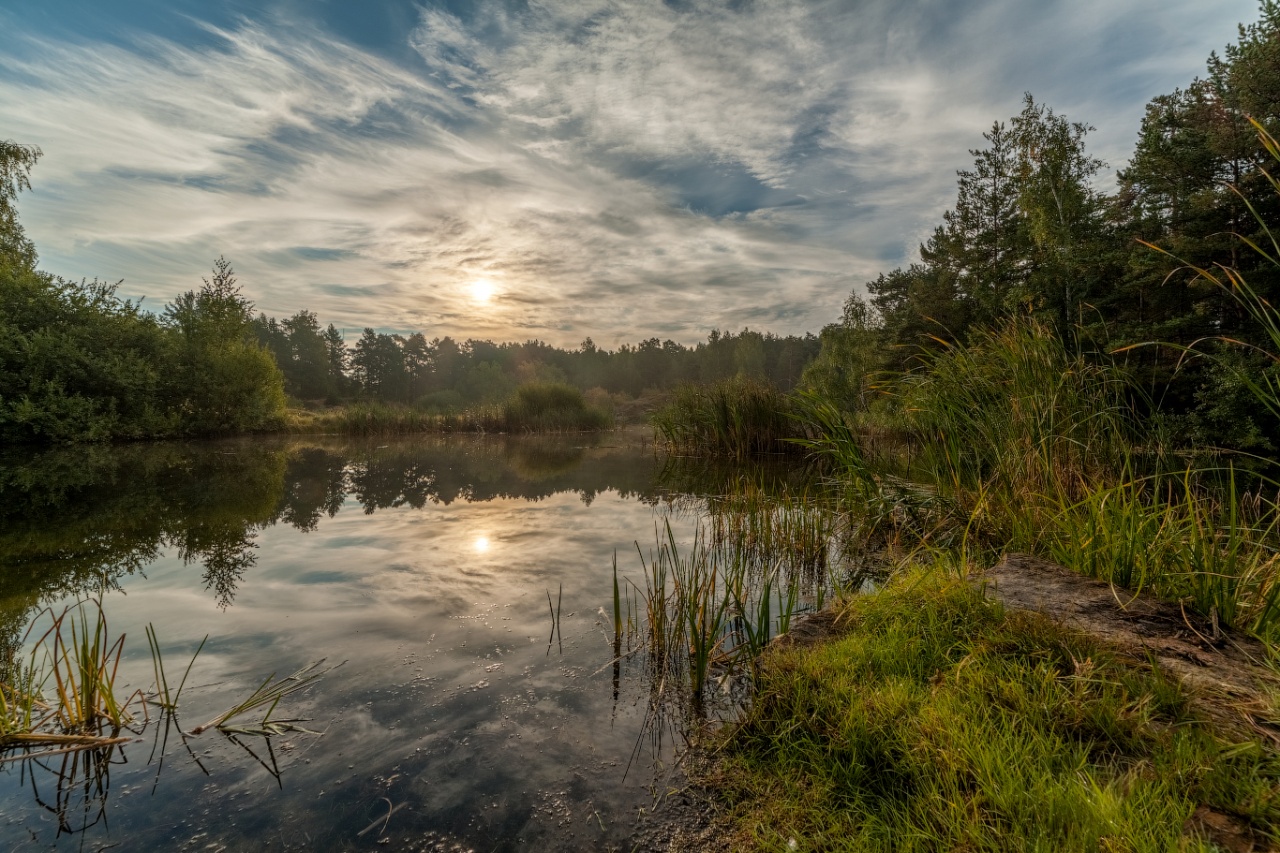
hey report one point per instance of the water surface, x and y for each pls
(423, 566)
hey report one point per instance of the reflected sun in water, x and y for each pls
(481, 544)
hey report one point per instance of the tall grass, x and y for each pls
(712, 606)
(1022, 445)
(1013, 412)
(736, 418)
(66, 697)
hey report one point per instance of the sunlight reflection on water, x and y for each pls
(424, 565)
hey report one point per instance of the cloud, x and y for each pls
(617, 168)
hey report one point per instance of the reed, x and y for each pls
(553, 407)
(711, 608)
(67, 697)
(267, 695)
(1014, 413)
(83, 664)
(737, 418)
(164, 696)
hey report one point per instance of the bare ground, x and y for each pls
(1227, 672)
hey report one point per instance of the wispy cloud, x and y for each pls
(618, 169)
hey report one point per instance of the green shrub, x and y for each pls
(737, 418)
(552, 407)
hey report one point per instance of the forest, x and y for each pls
(1113, 274)
(1031, 234)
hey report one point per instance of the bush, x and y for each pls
(552, 407)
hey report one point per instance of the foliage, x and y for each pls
(845, 370)
(736, 418)
(545, 407)
(231, 383)
(1014, 412)
(77, 363)
(16, 161)
(1032, 232)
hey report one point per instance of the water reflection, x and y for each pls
(425, 563)
(74, 519)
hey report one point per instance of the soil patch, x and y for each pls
(1227, 671)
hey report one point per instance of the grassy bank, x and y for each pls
(536, 407)
(937, 721)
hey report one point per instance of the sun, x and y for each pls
(482, 290)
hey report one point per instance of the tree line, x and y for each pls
(80, 363)
(1031, 233)
(445, 374)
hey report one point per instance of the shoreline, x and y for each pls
(1178, 678)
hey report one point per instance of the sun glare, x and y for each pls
(482, 290)
(481, 544)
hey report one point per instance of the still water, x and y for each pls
(423, 567)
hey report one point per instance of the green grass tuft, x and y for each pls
(940, 722)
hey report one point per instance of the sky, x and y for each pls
(550, 169)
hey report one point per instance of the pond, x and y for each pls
(427, 571)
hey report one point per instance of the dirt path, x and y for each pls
(1226, 670)
(1229, 679)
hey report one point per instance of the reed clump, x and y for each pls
(67, 696)
(553, 407)
(1014, 413)
(736, 418)
(711, 607)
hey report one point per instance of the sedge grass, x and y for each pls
(267, 695)
(711, 608)
(164, 696)
(737, 418)
(67, 696)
